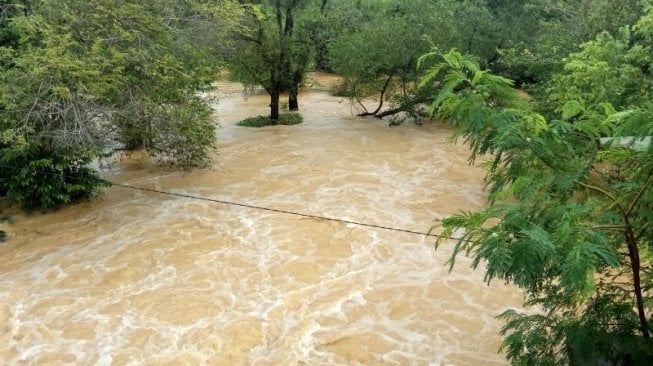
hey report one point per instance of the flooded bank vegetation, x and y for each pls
(557, 92)
(273, 50)
(80, 79)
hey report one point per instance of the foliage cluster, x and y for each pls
(535, 35)
(378, 51)
(273, 50)
(376, 45)
(287, 119)
(569, 219)
(80, 78)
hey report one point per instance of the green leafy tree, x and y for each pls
(606, 70)
(80, 78)
(378, 53)
(534, 36)
(273, 51)
(569, 219)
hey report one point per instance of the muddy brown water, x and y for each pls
(135, 277)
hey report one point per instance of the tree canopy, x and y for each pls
(569, 219)
(80, 78)
(273, 50)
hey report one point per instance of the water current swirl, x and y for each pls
(140, 278)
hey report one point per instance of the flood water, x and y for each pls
(137, 277)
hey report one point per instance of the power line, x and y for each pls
(263, 208)
(287, 212)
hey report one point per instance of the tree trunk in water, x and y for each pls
(293, 93)
(378, 109)
(274, 106)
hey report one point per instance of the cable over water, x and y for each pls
(270, 209)
(142, 277)
(287, 212)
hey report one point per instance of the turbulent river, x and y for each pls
(137, 277)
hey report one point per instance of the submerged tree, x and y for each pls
(272, 53)
(571, 201)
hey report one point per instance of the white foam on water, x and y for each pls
(142, 278)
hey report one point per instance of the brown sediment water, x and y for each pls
(141, 278)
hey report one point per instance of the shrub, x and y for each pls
(261, 121)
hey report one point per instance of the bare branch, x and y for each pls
(605, 193)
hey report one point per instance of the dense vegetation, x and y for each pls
(571, 197)
(273, 50)
(570, 182)
(79, 79)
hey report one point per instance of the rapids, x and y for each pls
(136, 277)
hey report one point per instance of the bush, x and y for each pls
(261, 121)
(46, 179)
(180, 132)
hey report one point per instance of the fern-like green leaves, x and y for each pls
(571, 203)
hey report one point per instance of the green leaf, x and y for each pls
(572, 109)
